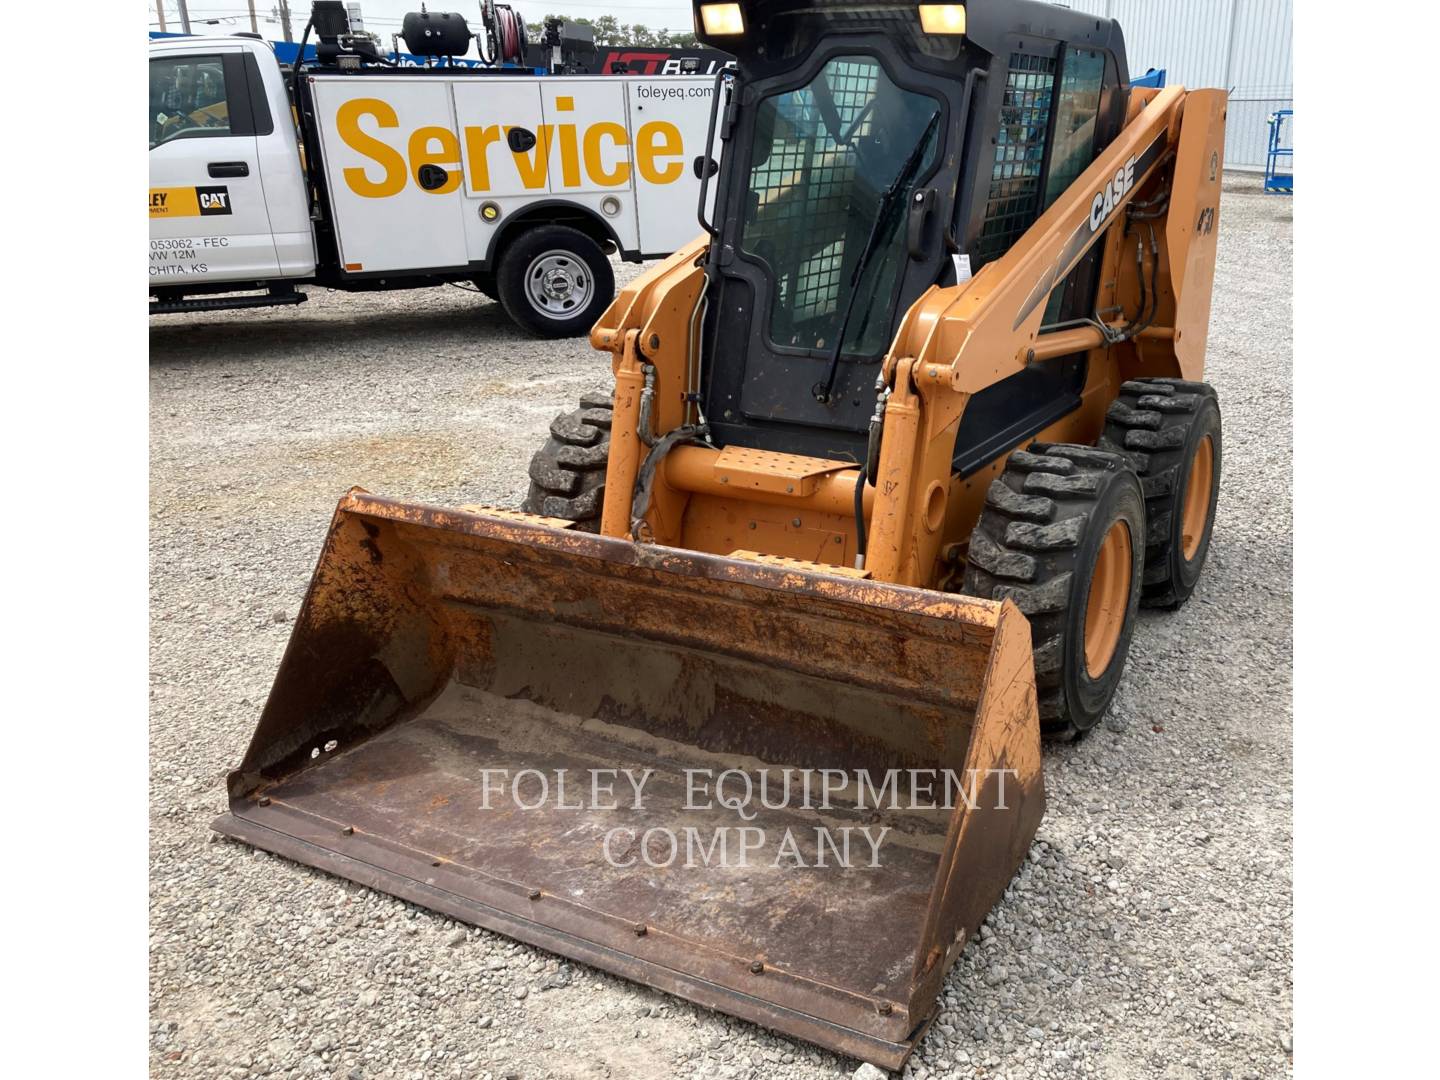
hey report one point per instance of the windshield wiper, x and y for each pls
(823, 391)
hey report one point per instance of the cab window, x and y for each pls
(188, 98)
(1077, 112)
(1076, 109)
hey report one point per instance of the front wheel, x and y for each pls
(567, 473)
(1063, 536)
(555, 281)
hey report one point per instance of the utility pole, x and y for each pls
(285, 20)
(184, 18)
(254, 26)
(160, 9)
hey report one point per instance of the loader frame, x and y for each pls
(953, 343)
(720, 616)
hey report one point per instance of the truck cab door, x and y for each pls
(208, 219)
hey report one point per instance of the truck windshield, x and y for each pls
(825, 153)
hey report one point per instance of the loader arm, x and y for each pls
(957, 341)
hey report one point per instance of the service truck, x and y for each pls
(351, 172)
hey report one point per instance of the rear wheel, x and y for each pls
(567, 474)
(555, 281)
(1169, 429)
(1062, 535)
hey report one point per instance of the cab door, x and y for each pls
(208, 220)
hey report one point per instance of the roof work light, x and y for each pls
(942, 18)
(722, 20)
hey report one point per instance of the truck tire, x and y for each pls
(486, 284)
(1060, 536)
(567, 474)
(1170, 431)
(555, 281)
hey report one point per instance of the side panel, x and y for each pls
(589, 139)
(669, 118)
(622, 149)
(377, 135)
(1194, 217)
(487, 110)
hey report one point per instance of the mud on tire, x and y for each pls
(567, 474)
(1161, 425)
(1045, 522)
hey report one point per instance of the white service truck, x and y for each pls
(385, 177)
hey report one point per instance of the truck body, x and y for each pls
(401, 177)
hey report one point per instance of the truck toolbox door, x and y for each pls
(208, 220)
(393, 169)
(669, 117)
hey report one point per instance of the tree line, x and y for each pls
(609, 30)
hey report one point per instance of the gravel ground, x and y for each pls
(1149, 935)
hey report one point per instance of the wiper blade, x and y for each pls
(824, 391)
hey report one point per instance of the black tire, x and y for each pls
(567, 474)
(576, 259)
(1037, 543)
(486, 284)
(1161, 425)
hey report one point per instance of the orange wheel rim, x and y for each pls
(1197, 498)
(1109, 598)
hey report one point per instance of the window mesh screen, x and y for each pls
(823, 175)
(1013, 202)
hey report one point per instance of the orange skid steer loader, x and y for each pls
(894, 452)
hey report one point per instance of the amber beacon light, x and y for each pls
(722, 19)
(942, 18)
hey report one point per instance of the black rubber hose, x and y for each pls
(860, 515)
(645, 480)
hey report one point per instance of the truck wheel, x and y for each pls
(1060, 535)
(1170, 431)
(567, 474)
(555, 281)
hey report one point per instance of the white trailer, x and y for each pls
(384, 178)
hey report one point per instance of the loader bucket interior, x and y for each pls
(440, 654)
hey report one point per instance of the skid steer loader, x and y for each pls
(893, 453)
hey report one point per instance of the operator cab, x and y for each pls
(871, 151)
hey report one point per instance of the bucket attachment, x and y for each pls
(464, 693)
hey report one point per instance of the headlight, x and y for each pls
(722, 20)
(942, 18)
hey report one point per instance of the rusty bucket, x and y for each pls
(450, 668)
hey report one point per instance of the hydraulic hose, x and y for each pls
(860, 536)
